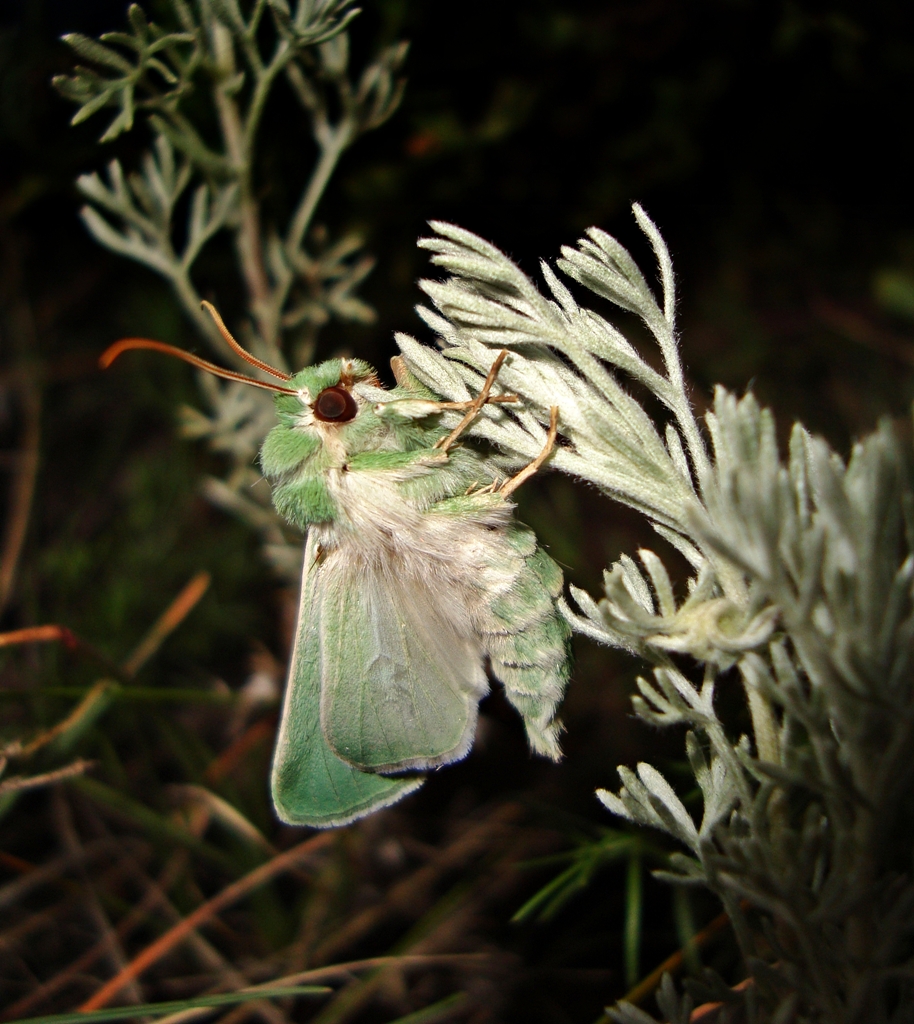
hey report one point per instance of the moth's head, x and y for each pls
(323, 410)
(325, 417)
(328, 395)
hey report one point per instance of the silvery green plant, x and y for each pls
(800, 595)
(194, 184)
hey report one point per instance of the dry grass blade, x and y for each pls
(229, 895)
(256, 733)
(222, 811)
(22, 491)
(231, 979)
(345, 971)
(57, 913)
(172, 617)
(154, 1009)
(53, 633)
(445, 926)
(38, 635)
(168, 621)
(113, 949)
(414, 889)
(175, 867)
(85, 707)
(649, 984)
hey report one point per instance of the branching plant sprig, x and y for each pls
(159, 66)
(803, 583)
(199, 178)
(225, 58)
(567, 355)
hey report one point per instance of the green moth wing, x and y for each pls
(401, 683)
(310, 784)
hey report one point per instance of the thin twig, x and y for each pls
(54, 916)
(38, 635)
(407, 894)
(135, 917)
(14, 935)
(14, 891)
(344, 972)
(17, 783)
(53, 633)
(261, 730)
(210, 957)
(170, 619)
(331, 150)
(445, 925)
(248, 242)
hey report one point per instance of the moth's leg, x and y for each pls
(373, 461)
(511, 485)
(404, 378)
(488, 489)
(401, 375)
(473, 407)
(422, 402)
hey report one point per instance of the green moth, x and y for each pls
(416, 577)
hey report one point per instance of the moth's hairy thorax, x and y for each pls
(376, 512)
(371, 511)
(376, 493)
(381, 529)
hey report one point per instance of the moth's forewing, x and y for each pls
(310, 784)
(401, 679)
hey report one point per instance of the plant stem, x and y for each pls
(265, 78)
(331, 151)
(247, 236)
(189, 298)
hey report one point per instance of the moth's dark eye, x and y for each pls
(335, 405)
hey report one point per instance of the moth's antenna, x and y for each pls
(230, 341)
(126, 344)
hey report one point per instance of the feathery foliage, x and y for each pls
(800, 594)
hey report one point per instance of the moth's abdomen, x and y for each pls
(527, 641)
(511, 587)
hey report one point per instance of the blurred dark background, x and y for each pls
(770, 142)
